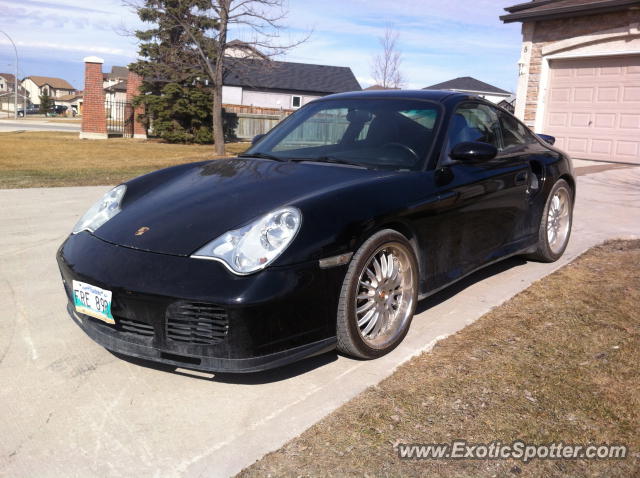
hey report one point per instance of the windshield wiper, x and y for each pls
(262, 156)
(331, 159)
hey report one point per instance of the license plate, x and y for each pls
(93, 301)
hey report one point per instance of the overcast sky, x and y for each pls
(439, 40)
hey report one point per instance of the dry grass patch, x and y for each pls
(558, 362)
(39, 159)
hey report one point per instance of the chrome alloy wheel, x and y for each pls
(384, 301)
(558, 220)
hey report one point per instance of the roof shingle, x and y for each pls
(118, 72)
(9, 77)
(548, 9)
(467, 83)
(280, 75)
(57, 83)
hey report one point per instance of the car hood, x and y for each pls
(177, 211)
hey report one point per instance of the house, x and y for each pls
(117, 75)
(282, 85)
(469, 85)
(7, 93)
(116, 92)
(508, 104)
(579, 75)
(7, 82)
(36, 86)
(379, 87)
(240, 49)
(73, 102)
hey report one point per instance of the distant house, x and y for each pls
(378, 88)
(7, 82)
(282, 85)
(118, 74)
(72, 101)
(240, 49)
(467, 84)
(54, 87)
(508, 104)
(116, 92)
(7, 92)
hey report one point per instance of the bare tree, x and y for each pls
(385, 67)
(262, 18)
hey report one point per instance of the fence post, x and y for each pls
(133, 89)
(94, 119)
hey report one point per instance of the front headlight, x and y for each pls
(256, 245)
(101, 211)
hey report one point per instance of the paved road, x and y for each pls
(7, 126)
(70, 408)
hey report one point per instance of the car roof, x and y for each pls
(433, 95)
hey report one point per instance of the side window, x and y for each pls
(474, 122)
(514, 133)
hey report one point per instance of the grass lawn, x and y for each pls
(558, 362)
(43, 159)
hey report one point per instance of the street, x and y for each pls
(71, 408)
(11, 125)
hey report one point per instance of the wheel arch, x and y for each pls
(572, 183)
(400, 226)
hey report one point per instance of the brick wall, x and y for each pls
(94, 120)
(133, 89)
(549, 31)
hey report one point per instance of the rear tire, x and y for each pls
(555, 224)
(378, 296)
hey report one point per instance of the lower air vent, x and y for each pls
(135, 327)
(196, 323)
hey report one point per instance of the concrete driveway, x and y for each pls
(70, 408)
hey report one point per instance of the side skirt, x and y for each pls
(526, 250)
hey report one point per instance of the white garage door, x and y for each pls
(593, 107)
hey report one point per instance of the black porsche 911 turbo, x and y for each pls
(323, 235)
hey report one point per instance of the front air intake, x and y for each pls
(196, 323)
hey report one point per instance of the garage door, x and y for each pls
(593, 107)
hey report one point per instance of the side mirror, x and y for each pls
(257, 138)
(473, 151)
(547, 138)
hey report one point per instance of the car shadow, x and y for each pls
(454, 289)
(309, 364)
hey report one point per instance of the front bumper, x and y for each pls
(196, 314)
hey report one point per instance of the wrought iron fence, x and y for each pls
(119, 118)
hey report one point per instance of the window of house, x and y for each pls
(296, 101)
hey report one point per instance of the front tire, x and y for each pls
(378, 297)
(555, 224)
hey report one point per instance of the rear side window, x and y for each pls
(474, 122)
(514, 133)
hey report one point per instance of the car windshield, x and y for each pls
(372, 133)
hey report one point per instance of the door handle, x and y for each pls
(521, 177)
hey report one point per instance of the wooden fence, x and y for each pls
(256, 110)
(250, 121)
